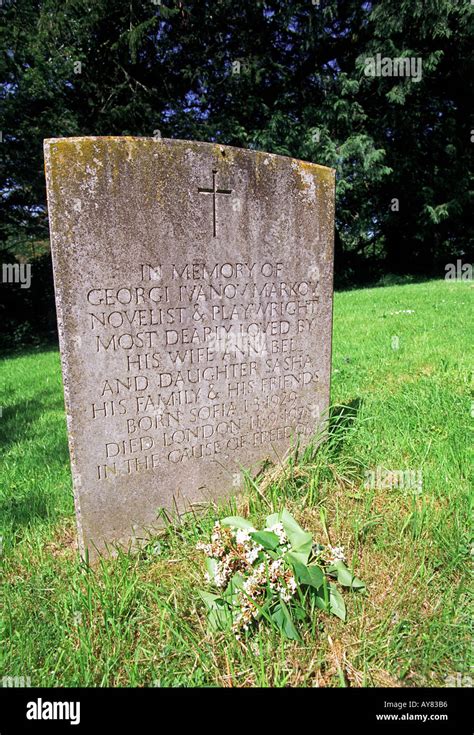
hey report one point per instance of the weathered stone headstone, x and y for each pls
(194, 299)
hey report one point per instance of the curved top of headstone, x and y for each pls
(131, 140)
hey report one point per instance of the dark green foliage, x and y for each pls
(27, 315)
(133, 67)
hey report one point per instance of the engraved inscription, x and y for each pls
(212, 362)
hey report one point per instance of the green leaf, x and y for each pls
(282, 617)
(231, 594)
(345, 576)
(311, 575)
(300, 541)
(272, 520)
(267, 539)
(237, 581)
(302, 558)
(322, 595)
(219, 615)
(237, 522)
(235, 584)
(211, 566)
(336, 603)
(321, 602)
(316, 576)
(298, 612)
(209, 599)
(220, 618)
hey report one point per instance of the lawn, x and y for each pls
(402, 402)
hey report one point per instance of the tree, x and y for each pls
(284, 76)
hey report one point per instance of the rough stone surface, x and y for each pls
(195, 326)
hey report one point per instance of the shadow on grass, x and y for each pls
(26, 349)
(26, 499)
(385, 280)
(333, 435)
(19, 421)
(26, 509)
(342, 418)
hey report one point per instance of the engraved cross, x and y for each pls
(214, 191)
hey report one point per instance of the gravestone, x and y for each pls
(194, 300)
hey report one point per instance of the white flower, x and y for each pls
(275, 567)
(279, 531)
(252, 554)
(336, 554)
(220, 578)
(200, 546)
(217, 532)
(242, 536)
(222, 573)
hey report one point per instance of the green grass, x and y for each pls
(137, 621)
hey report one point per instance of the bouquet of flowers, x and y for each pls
(277, 574)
